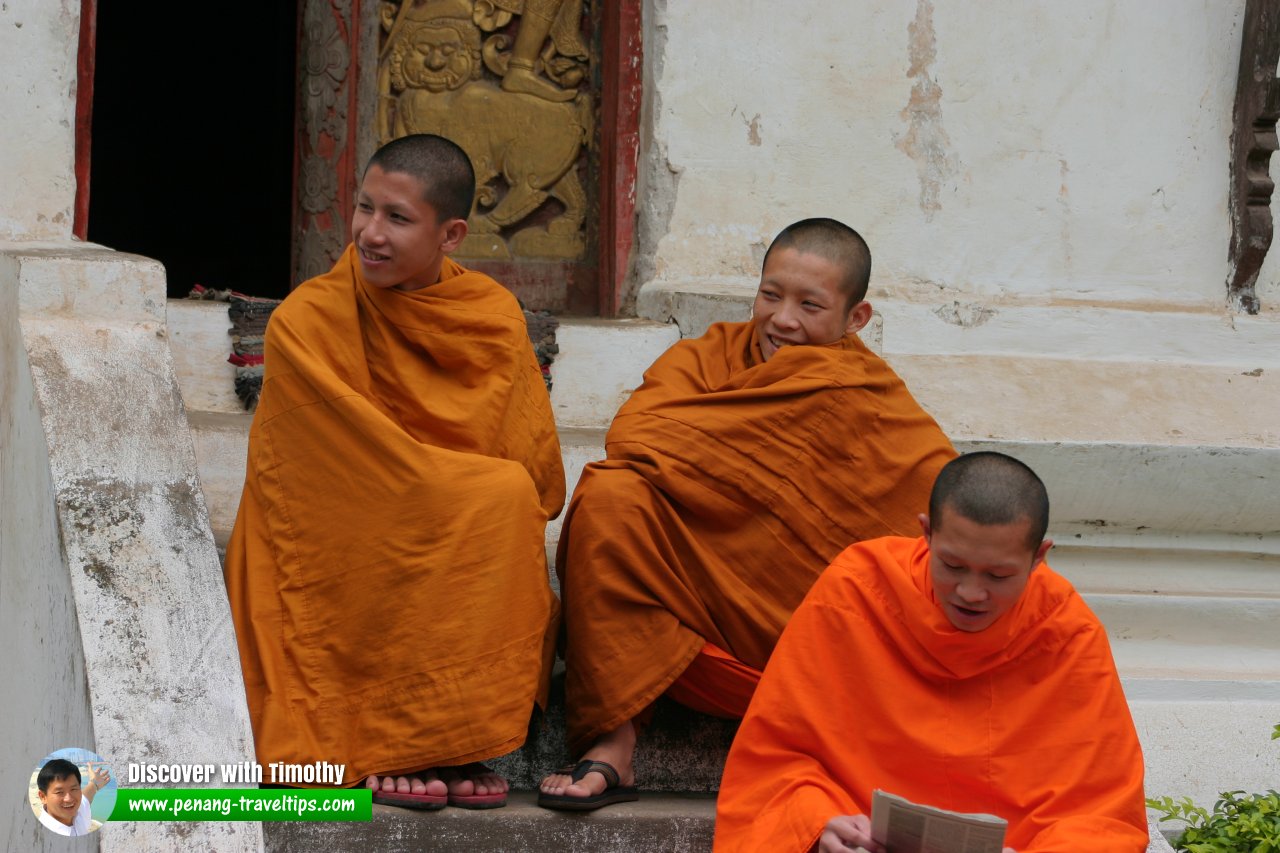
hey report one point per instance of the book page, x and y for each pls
(906, 827)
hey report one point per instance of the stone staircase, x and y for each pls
(1173, 543)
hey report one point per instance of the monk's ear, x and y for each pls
(859, 316)
(455, 231)
(1041, 552)
(924, 525)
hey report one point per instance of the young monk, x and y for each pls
(387, 571)
(956, 670)
(746, 461)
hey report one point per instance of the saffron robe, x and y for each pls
(730, 483)
(871, 687)
(387, 570)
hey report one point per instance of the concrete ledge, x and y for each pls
(599, 364)
(670, 823)
(148, 608)
(679, 824)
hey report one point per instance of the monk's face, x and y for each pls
(62, 799)
(978, 570)
(800, 302)
(399, 237)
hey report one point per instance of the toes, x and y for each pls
(417, 786)
(432, 784)
(555, 784)
(373, 782)
(402, 785)
(461, 787)
(494, 783)
(388, 784)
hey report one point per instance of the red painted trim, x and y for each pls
(348, 168)
(623, 88)
(295, 208)
(84, 113)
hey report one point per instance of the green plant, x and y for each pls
(1239, 822)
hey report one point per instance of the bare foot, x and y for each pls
(473, 779)
(427, 782)
(617, 748)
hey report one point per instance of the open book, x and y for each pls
(905, 827)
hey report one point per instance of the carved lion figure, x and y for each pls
(533, 144)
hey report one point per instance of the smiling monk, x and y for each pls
(746, 461)
(387, 570)
(957, 670)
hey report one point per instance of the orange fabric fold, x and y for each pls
(716, 683)
(387, 570)
(729, 484)
(871, 687)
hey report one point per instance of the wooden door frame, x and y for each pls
(622, 83)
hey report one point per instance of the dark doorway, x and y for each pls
(192, 148)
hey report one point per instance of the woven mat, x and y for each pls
(249, 316)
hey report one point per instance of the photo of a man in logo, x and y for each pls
(65, 796)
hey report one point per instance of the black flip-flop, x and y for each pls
(613, 792)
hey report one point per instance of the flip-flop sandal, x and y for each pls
(613, 792)
(477, 801)
(421, 802)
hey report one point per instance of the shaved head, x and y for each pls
(444, 170)
(839, 244)
(991, 489)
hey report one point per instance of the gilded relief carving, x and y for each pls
(524, 123)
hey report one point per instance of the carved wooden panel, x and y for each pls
(324, 162)
(542, 94)
(509, 81)
(1253, 139)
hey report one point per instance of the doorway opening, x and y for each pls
(192, 143)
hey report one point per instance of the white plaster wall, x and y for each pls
(1043, 151)
(46, 705)
(38, 45)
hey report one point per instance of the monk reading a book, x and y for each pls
(956, 670)
(387, 570)
(742, 465)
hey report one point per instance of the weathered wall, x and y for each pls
(1033, 153)
(38, 40)
(46, 705)
(116, 566)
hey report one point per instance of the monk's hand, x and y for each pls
(848, 832)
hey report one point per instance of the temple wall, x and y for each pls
(1002, 154)
(38, 40)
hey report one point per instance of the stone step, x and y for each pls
(681, 751)
(599, 362)
(670, 822)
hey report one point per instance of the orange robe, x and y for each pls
(729, 484)
(387, 571)
(871, 687)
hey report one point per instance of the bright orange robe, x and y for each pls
(730, 483)
(871, 687)
(387, 571)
